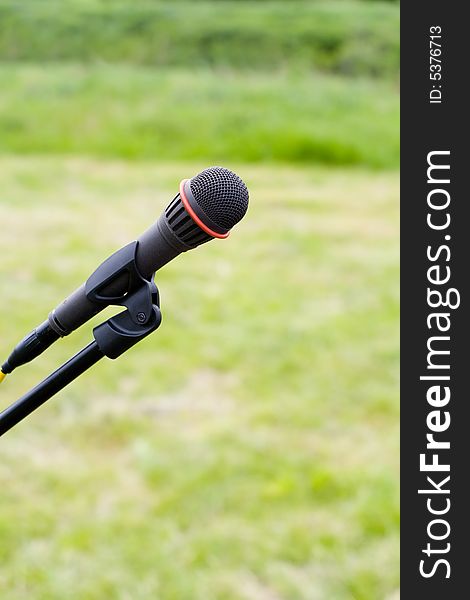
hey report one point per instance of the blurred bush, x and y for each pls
(352, 38)
(257, 81)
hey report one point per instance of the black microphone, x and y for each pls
(206, 207)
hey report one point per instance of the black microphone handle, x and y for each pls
(156, 247)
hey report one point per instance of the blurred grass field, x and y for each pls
(137, 112)
(248, 449)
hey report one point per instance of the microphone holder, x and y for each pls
(111, 338)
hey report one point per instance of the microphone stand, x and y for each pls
(111, 338)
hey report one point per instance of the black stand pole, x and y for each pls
(50, 386)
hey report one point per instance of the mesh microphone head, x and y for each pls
(221, 195)
(208, 206)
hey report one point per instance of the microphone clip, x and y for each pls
(138, 295)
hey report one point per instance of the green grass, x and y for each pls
(131, 112)
(248, 450)
(352, 38)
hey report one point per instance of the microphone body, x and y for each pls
(206, 207)
(155, 248)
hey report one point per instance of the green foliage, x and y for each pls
(217, 81)
(144, 113)
(249, 447)
(352, 38)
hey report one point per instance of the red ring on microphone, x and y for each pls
(195, 218)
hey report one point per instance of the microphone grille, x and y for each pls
(221, 194)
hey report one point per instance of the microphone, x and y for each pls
(206, 207)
